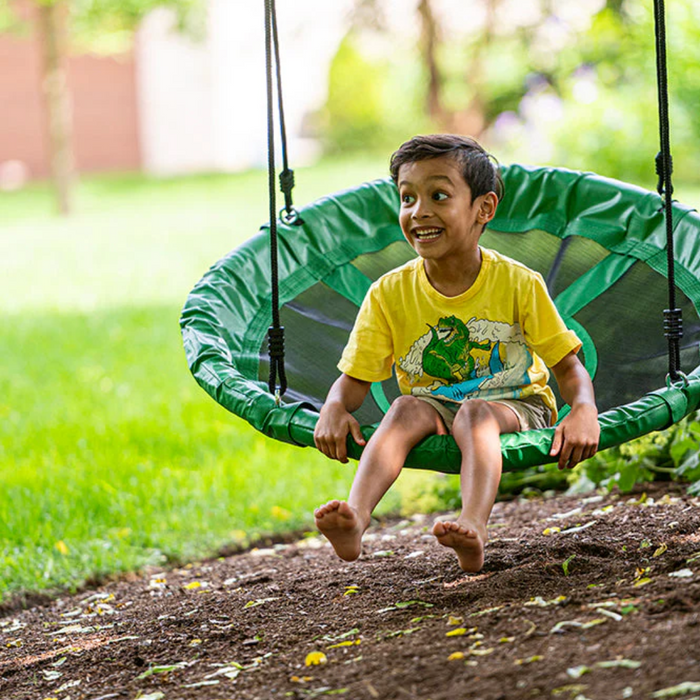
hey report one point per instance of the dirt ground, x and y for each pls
(594, 597)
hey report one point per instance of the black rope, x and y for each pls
(275, 335)
(673, 321)
(289, 214)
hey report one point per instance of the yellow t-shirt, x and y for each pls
(494, 341)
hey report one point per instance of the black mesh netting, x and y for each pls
(625, 322)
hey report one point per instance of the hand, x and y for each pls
(576, 437)
(330, 435)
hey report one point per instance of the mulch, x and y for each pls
(592, 597)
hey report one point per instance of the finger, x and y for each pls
(356, 433)
(556, 442)
(324, 448)
(564, 455)
(576, 456)
(341, 449)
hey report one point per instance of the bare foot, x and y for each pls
(341, 524)
(467, 543)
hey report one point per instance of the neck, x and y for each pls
(454, 276)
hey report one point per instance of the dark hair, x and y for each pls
(479, 168)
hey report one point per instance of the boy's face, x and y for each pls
(437, 216)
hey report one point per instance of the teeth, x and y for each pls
(427, 234)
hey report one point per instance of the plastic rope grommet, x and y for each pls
(290, 217)
(682, 379)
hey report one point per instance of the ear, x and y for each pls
(487, 207)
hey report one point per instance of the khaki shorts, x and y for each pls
(532, 412)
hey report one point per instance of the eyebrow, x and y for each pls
(432, 177)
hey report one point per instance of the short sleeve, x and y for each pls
(544, 330)
(369, 354)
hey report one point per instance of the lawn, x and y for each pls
(111, 457)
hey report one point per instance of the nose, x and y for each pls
(421, 209)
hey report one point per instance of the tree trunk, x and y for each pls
(429, 41)
(473, 119)
(52, 33)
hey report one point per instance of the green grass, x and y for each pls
(111, 457)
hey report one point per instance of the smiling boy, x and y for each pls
(470, 333)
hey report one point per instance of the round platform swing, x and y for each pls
(611, 254)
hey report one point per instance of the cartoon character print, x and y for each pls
(479, 358)
(448, 355)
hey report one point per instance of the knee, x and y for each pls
(405, 408)
(473, 413)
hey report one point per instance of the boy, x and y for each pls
(471, 333)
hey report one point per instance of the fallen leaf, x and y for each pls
(677, 690)
(258, 601)
(51, 675)
(540, 602)
(619, 663)
(572, 689)
(151, 696)
(486, 611)
(481, 652)
(345, 644)
(68, 684)
(579, 528)
(201, 684)
(452, 620)
(528, 660)
(457, 632)
(681, 573)
(506, 640)
(551, 530)
(456, 656)
(577, 671)
(609, 613)
(161, 669)
(660, 550)
(315, 658)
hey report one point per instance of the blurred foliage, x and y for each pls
(107, 26)
(371, 103)
(580, 94)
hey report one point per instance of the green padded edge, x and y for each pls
(225, 317)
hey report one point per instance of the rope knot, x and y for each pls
(673, 323)
(287, 181)
(661, 172)
(275, 342)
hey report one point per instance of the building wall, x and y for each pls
(202, 105)
(105, 119)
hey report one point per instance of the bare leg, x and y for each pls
(477, 429)
(407, 422)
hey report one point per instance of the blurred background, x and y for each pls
(132, 142)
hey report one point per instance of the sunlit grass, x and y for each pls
(110, 455)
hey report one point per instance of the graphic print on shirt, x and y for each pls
(468, 360)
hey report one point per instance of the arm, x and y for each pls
(335, 422)
(576, 437)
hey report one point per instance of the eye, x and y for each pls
(407, 199)
(440, 196)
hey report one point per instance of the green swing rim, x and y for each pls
(223, 332)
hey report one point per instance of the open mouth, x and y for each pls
(426, 234)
